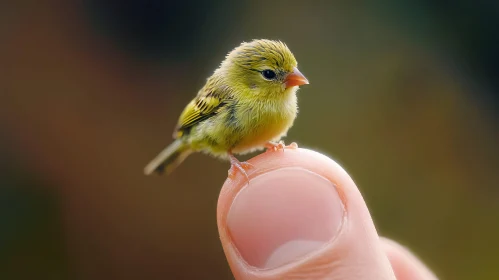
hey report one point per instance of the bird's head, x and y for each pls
(263, 67)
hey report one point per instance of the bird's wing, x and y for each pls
(210, 101)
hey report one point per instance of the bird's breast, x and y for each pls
(264, 121)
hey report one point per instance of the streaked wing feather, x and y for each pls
(206, 104)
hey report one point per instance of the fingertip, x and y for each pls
(300, 213)
(285, 212)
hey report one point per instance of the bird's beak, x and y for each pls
(295, 78)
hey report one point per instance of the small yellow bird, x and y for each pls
(248, 103)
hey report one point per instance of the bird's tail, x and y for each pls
(169, 158)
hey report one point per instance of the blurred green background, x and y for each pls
(404, 94)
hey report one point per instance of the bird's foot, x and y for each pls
(274, 147)
(236, 165)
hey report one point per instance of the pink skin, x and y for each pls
(302, 217)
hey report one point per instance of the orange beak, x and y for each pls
(295, 78)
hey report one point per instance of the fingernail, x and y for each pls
(284, 215)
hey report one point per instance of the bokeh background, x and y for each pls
(404, 94)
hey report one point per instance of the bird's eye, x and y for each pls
(268, 74)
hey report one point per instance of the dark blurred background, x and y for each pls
(404, 94)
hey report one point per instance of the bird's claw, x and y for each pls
(274, 147)
(241, 167)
